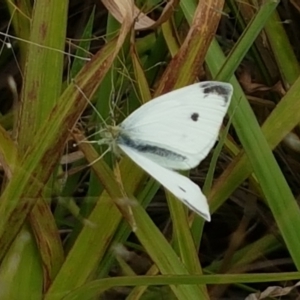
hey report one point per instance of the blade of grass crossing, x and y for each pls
(276, 190)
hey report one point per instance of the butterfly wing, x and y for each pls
(180, 186)
(178, 129)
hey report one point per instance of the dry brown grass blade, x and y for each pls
(189, 59)
(41, 158)
(142, 22)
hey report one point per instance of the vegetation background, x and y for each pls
(64, 233)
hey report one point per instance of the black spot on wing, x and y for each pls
(146, 148)
(195, 116)
(220, 90)
(181, 188)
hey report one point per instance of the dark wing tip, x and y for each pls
(222, 89)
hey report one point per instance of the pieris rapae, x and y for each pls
(175, 131)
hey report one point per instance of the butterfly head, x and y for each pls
(109, 136)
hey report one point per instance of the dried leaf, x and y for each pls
(272, 291)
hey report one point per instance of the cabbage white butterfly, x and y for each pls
(175, 131)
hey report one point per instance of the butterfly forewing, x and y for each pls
(178, 129)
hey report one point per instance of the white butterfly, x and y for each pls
(176, 131)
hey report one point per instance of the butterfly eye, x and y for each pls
(195, 117)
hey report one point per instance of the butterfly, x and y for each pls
(175, 131)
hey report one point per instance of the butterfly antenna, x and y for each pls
(88, 101)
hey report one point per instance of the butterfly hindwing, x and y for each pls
(180, 186)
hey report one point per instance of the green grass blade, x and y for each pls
(280, 199)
